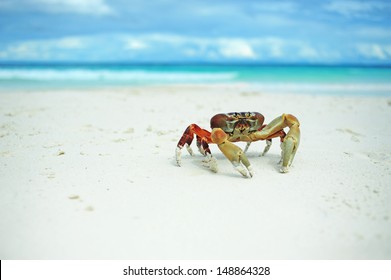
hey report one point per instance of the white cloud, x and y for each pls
(92, 7)
(194, 46)
(352, 8)
(236, 49)
(377, 51)
(41, 49)
(25, 50)
(156, 45)
(271, 46)
(308, 52)
(161, 47)
(135, 44)
(68, 43)
(171, 39)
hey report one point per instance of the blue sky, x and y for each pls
(334, 31)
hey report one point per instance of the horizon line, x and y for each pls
(194, 63)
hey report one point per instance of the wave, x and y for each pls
(365, 81)
(80, 75)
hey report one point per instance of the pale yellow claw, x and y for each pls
(232, 152)
(290, 142)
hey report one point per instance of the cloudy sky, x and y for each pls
(254, 31)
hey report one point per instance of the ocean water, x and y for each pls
(272, 78)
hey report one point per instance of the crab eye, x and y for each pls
(253, 124)
(230, 125)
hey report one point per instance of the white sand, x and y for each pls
(91, 174)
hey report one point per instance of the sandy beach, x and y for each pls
(91, 174)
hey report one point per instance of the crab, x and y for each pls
(245, 127)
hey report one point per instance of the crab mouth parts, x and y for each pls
(242, 128)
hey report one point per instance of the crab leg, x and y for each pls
(232, 152)
(265, 150)
(290, 141)
(267, 147)
(203, 138)
(247, 146)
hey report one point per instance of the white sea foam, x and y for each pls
(111, 75)
(366, 81)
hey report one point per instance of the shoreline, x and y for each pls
(90, 174)
(298, 88)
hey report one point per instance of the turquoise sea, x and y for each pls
(313, 79)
